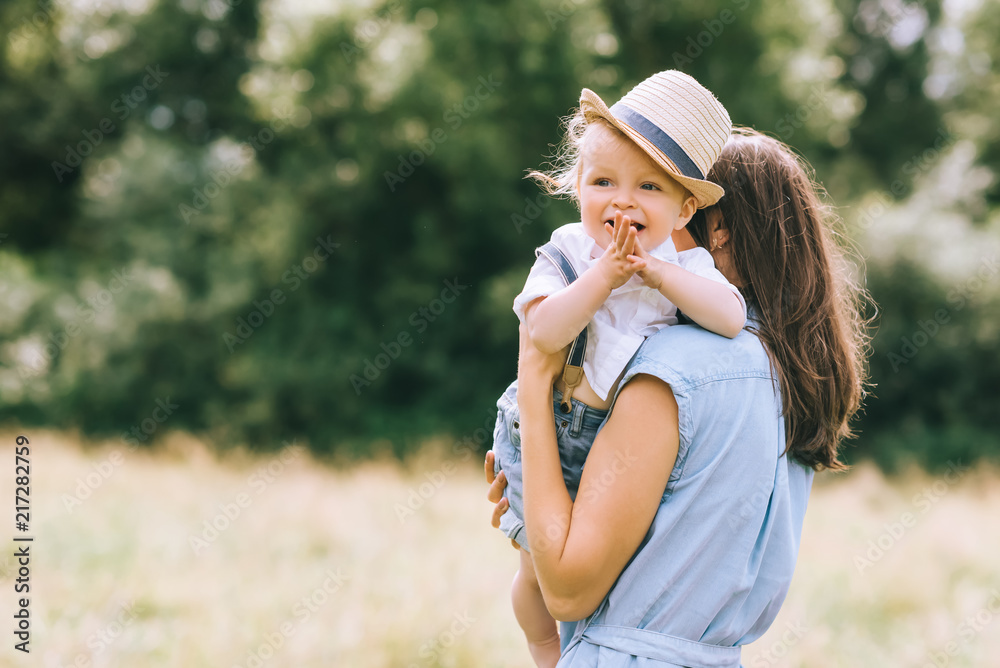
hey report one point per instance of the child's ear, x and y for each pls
(688, 208)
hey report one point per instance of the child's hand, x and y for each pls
(619, 264)
(651, 275)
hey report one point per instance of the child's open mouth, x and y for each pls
(639, 227)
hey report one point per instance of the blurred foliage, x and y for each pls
(298, 223)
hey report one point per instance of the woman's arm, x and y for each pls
(579, 549)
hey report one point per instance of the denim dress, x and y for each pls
(717, 561)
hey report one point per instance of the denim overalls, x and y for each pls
(576, 424)
(575, 433)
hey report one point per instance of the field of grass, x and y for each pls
(184, 558)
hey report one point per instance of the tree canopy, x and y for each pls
(301, 220)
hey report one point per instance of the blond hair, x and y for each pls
(563, 173)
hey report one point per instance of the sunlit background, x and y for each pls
(240, 234)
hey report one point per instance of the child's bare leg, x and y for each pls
(536, 622)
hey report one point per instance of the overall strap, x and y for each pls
(573, 372)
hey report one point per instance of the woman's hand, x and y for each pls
(536, 371)
(497, 483)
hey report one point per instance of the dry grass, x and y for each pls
(430, 589)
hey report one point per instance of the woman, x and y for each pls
(683, 537)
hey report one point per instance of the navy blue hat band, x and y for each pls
(659, 139)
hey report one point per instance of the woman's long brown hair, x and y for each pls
(799, 283)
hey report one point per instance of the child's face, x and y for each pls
(616, 175)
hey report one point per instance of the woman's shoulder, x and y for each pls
(687, 355)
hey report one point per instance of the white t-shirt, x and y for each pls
(628, 316)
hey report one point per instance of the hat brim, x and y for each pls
(705, 192)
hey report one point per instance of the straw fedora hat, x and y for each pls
(676, 121)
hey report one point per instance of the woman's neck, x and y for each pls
(683, 240)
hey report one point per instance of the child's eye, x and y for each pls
(602, 182)
(650, 186)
